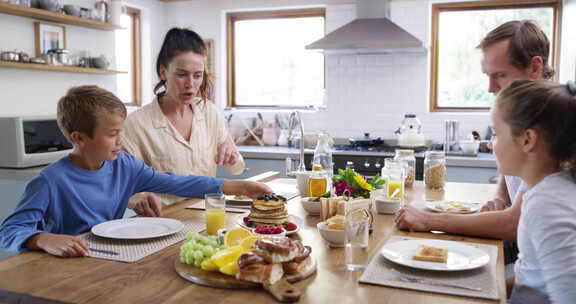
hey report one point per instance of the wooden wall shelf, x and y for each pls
(35, 13)
(56, 68)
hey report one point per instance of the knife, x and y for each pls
(104, 251)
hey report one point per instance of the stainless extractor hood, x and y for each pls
(371, 32)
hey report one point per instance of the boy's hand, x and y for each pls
(242, 187)
(62, 245)
(150, 206)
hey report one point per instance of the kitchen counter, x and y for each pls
(482, 160)
(25, 174)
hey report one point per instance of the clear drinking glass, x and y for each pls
(215, 212)
(356, 225)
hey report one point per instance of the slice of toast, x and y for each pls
(431, 254)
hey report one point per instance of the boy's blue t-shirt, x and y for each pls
(66, 199)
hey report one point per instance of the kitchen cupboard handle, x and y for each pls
(493, 180)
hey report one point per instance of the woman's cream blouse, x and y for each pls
(150, 136)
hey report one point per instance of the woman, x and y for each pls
(181, 131)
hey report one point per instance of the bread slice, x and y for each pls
(431, 254)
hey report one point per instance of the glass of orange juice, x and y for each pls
(215, 212)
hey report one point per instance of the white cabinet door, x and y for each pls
(255, 167)
(472, 175)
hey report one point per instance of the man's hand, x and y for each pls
(226, 154)
(412, 218)
(62, 245)
(150, 206)
(242, 187)
(494, 205)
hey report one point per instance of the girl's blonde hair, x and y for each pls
(548, 107)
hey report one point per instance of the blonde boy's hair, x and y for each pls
(80, 108)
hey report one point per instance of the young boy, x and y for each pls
(94, 183)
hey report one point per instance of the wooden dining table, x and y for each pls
(153, 279)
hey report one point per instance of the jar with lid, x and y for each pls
(393, 172)
(407, 157)
(435, 170)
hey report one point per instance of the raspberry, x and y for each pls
(291, 226)
(246, 219)
(268, 229)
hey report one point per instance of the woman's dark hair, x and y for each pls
(548, 107)
(177, 41)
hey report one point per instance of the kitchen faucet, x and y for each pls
(295, 118)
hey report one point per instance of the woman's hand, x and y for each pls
(412, 218)
(62, 245)
(242, 187)
(150, 206)
(226, 154)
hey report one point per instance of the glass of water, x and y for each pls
(357, 224)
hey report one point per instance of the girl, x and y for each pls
(534, 124)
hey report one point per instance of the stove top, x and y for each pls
(377, 149)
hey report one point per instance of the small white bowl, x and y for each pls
(388, 206)
(283, 233)
(334, 237)
(469, 146)
(313, 208)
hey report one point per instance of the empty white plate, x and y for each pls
(460, 256)
(137, 228)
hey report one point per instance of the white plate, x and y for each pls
(137, 228)
(232, 200)
(460, 256)
(292, 218)
(452, 206)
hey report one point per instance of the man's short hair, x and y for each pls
(526, 41)
(80, 108)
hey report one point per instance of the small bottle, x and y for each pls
(318, 181)
(393, 172)
(435, 170)
(407, 157)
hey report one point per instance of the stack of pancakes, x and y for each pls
(269, 209)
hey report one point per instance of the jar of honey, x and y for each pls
(318, 181)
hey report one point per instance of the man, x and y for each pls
(513, 51)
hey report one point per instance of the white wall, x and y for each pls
(29, 92)
(365, 93)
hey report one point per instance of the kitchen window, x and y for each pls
(457, 81)
(128, 58)
(268, 66)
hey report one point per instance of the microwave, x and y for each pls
(28, 141)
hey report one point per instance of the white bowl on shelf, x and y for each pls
(334, 237)
(312, 207)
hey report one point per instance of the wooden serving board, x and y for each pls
(281, 290)
(220, 280)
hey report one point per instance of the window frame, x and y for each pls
(438, 8)
(135, 16)
(231, 18)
